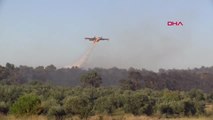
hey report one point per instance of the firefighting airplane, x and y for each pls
(95, 39)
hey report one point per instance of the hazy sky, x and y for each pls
(43, 32)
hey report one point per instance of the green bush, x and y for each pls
(10, 93)
(3, 108)
(210, 98)
(47, 104)
(84, 102)
(189, 108)
(200, 107)
(195, 94)
(57, 111)
(105, 105)
(78, 105)
(177, 107)
(165, 109)
(26, 104)
(138, 104)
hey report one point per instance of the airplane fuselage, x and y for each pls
(96, 39)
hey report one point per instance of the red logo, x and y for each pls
(177, 23)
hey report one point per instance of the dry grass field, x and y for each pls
(125, 117)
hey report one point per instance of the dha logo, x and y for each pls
(171, 23)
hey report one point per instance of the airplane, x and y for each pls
(96, 39)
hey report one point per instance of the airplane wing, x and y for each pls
(87, 38)
(90, 39)
(104, 39)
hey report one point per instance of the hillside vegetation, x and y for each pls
(28, 93)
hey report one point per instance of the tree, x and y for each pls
(4, 73)
(133, 82)
(50, 68)
(39, 74)
(91, 79)
(12, 73)
(127, 84)
(10, 66)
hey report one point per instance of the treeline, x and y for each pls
(60, 102)
(173, 79)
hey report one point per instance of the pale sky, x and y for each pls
(43, 32)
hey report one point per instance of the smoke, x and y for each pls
(83, 59)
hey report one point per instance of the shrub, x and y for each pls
(3, 108)
(46, 105)
(138, 104)
(200, 107)
(105, 104)
(165, 109)
(79, 105)
(210, 98)
(189, 108)
(196, 95)
(57, 111)
(26, 104)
